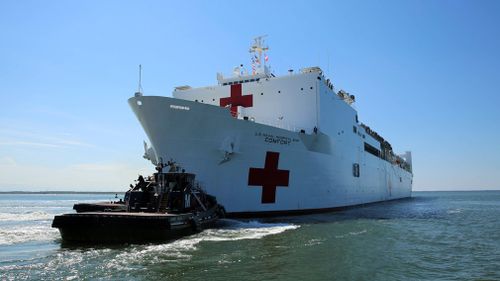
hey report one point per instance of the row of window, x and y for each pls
(355, 172)
(260, 93)
(240, 82)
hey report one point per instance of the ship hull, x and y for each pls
(258, 169)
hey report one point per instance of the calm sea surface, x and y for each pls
(432, 236)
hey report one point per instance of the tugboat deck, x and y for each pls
(129, 214)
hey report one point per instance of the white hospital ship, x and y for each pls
(266, 144)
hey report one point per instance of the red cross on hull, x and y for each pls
(269, 177)
(236, 99)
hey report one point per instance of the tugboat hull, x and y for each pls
(124, 227)
(160, 207)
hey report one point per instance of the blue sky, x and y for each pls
(425, 74)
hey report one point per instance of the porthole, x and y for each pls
(279, 92)
(355, 170)
(302, 89)
(261, 94)
(311, 88)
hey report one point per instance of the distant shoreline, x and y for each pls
(61, 192)
(122, 192)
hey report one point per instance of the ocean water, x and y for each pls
(432, 236)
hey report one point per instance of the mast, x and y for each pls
(139, 87)
(258, 48)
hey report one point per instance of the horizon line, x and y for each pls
(111, 191)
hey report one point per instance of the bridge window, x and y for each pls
(354, 129)
(372, 150)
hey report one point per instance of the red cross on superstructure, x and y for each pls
(269, 177)
(236, 99)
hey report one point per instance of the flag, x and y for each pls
(266, 58)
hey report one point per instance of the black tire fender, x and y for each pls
(194, 225)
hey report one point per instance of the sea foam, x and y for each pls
(181, 250)
(27, 216)
(22, 234)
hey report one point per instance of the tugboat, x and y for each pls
(160, 207)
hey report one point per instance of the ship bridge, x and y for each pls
(290, 102)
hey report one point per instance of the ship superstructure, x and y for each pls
(266, 144)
